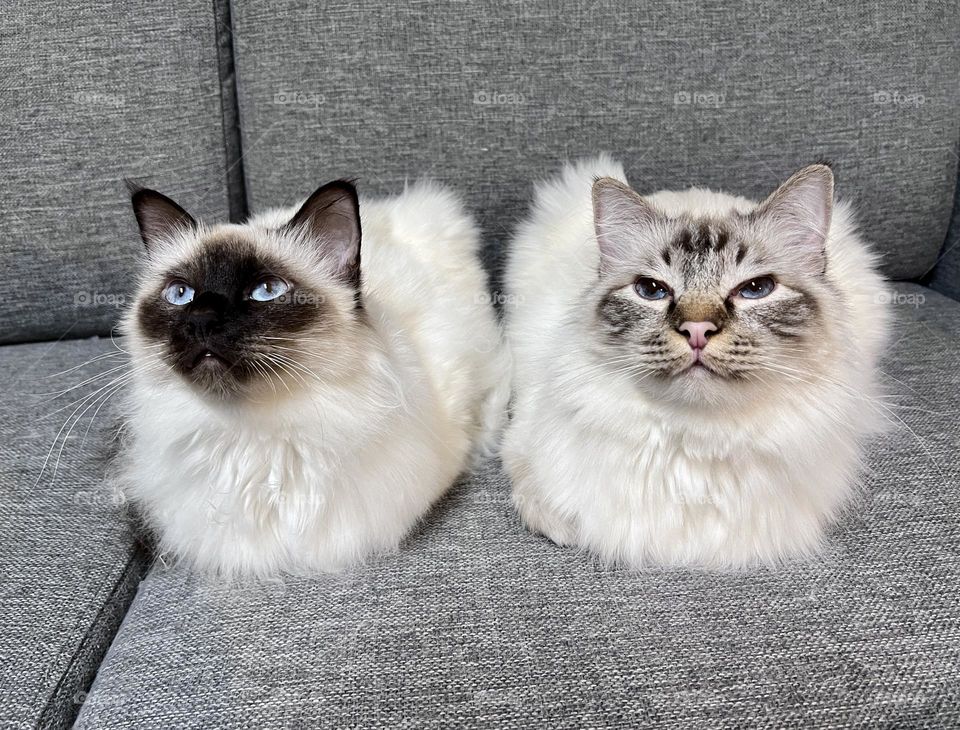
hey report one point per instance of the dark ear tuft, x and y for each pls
(157, 215)
(331, 216)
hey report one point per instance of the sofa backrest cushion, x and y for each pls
(945, 276)
(489, 97)
(93, 94)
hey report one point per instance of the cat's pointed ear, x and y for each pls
(157, 215)
(800, 211)
(620, 218)
(331, 216)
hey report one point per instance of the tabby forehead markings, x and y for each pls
(700, 237)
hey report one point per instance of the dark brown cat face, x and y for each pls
(235, 309)
(223, 309)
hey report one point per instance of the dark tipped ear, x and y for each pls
(619, 217)
(332, 217)
(157, 215)
(800, 212)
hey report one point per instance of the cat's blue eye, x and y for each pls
(269, 289)
(178, 293)
(757, 288)
(651, 289)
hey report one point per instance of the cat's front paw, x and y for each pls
(542, 519)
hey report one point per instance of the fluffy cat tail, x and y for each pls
(565, 192)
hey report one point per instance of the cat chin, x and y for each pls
(698, 388)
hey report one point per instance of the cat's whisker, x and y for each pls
(134, 369)
(278, 376)
(81, 409)
(93, 417)
(58, 394)
(101, 356)
(882, 409)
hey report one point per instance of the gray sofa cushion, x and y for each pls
(945, 276)
(69, 561)
(478, 623)
(489, 96)
(94, 93)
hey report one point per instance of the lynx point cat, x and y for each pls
(299, 401)
(693, 371)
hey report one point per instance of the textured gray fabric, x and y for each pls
(945, 277)
(489, 96)
(69, 563)
(93, 93)
(477, 623)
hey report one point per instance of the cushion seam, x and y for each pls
(135, 559)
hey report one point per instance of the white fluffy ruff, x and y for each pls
(597, 464)
(336, 469)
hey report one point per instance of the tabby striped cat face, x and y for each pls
(696, 306)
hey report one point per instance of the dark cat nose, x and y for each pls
(698, 333)
(205, 313)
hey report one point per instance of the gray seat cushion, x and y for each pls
(478, 623)
(69, 560)
(488, 97)
(93, 93)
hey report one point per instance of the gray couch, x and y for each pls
(231, 107)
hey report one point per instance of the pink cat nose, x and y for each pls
(697, 333)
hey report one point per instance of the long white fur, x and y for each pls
(598, 464)
(342, 467)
